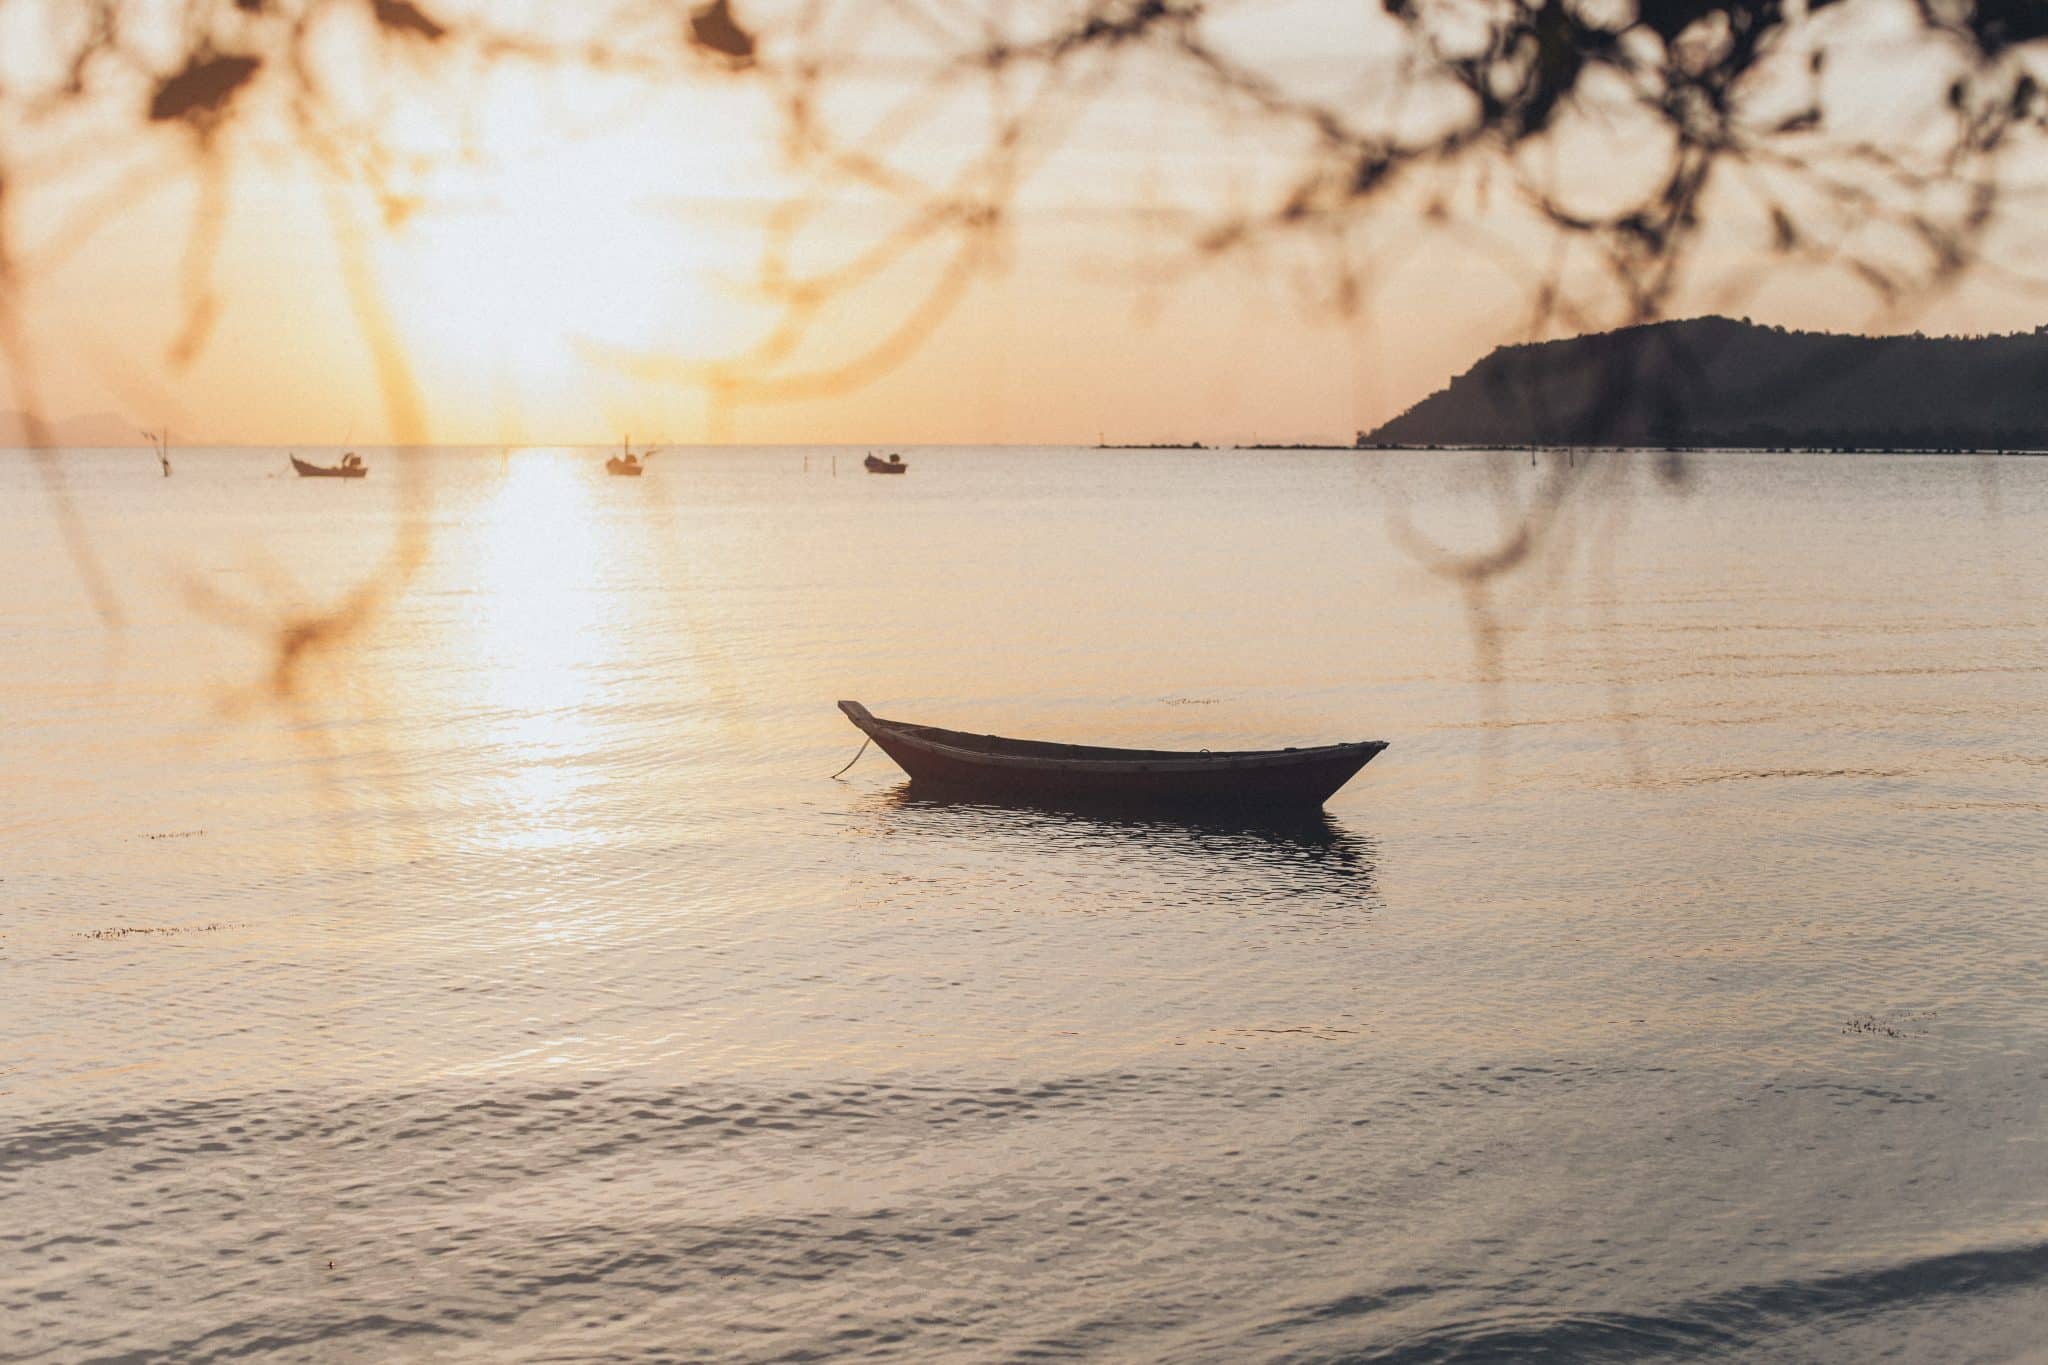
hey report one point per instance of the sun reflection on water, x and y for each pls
(543, 639)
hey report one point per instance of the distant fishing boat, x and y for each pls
(1034, 771)
(626, 462)
(893, 465)
(351, 467)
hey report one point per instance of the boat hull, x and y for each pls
(315, 471)
(990, 767)
(875, 466)
(630, 471)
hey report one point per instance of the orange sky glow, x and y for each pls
(564, 253)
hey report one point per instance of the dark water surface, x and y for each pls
(523, 988)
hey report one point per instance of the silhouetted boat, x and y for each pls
(1034, 771)
(626, 462)
(893, 465)
(351, 467)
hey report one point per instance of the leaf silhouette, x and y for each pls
(201, 91)
(402, 16)
(712, 26)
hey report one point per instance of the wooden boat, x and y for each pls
(1037, 772)
(893, 465)
(351, 467)
(626, 462)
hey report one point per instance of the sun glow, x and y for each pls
(504, 302)
(522, 269)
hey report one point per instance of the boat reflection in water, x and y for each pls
(1287, 853)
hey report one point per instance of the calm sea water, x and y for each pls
(522, 986)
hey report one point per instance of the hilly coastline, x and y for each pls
(1721, 382)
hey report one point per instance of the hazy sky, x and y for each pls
(565, 251)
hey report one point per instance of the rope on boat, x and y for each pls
(857, 753)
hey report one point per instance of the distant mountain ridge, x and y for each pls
(92, 429)
(1716, 381)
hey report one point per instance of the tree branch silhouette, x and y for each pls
(1454, 110)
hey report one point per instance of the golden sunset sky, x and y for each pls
(564, 248)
